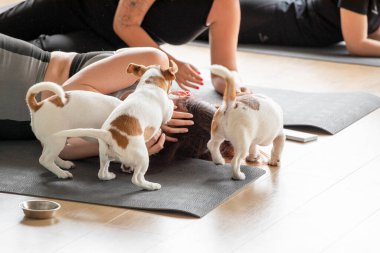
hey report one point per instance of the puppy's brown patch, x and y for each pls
(148, 133)
(137, 70)
(249, 101)
(121, 140)
(215, 121)
(158, 81)
(57, 100)
(127, 124)
(32, 102)
(168, 74)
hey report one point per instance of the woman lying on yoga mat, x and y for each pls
(22, 65)
(314, 23)
(89, 25)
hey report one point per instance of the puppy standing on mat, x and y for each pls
(246, 121)
(134, 122)
(66, 110)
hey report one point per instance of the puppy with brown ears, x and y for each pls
(134, 122)
(246, 121)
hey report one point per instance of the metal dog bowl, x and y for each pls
(39, 209)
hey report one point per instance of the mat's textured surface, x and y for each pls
(334, 53)
(331, 112)
(190, 186)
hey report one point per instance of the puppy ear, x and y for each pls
(136, 69)
(169, 74)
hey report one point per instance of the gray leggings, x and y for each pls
(21, 66)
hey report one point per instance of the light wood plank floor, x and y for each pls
(324, 198)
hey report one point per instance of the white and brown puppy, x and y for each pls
(246, 121)
(65, 110)
(134, 122)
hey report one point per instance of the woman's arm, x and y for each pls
(77, 148)
(109, 75)
(224, 20)
(127, 25)
(354, 30)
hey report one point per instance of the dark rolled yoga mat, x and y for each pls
(190, 186)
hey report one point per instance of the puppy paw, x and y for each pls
(64, 174)
(238, 176)
(274, 162)
(252, 158)
(67, 165)
(107, 176)
(151, 186)
(219, 160)
(128, 170)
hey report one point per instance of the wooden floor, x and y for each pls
(324, 198)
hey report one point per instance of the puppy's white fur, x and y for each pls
(246, 121)
(127, 129)
(66, 110)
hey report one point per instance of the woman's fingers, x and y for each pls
(194, 72)
(179, 122)
(190, 85)
(153, 140)
(174, 130)
(182, 115)
(181, 85)
(158, 146)
(171, 139)
(188, 76)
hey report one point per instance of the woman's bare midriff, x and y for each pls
(59, 67)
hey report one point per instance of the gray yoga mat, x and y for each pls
(330, 112)
(189, 186)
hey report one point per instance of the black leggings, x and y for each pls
(65, 25)
(289, 23)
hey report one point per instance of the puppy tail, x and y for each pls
(229, 96)
(101, 134)
(44, 86)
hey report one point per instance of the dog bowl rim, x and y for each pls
(58, 206)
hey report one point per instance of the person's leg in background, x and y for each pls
(31, 18)
(55, 25)
(21, 65)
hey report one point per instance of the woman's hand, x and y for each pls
(177, 125)
(188, 76)
(156, 143)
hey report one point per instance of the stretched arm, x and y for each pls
(354, 29)
(78, 148)
(127, 25)
(224, 30)
(109, 74)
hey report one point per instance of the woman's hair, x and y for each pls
(194, 143)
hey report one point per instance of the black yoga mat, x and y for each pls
(334, 53)
(6, 7)
(190, 186)
(330, 112)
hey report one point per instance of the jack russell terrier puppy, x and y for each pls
(65, 110)
(246, 121)
(134, 122)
